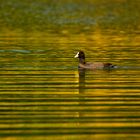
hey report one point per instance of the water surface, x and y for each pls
(43, 95)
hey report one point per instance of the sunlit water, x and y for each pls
(44, 96)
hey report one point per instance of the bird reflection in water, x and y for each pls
(82, 73)
(81, 91)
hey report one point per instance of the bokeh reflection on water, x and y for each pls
(44, 95)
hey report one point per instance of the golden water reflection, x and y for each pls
(44, 95)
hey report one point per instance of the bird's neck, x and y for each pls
(82, 61)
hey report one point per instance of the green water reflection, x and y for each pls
(43, 14)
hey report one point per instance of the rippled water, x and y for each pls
(44, 96)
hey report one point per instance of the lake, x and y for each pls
(43, 94)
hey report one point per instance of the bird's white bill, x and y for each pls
(77, 55)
